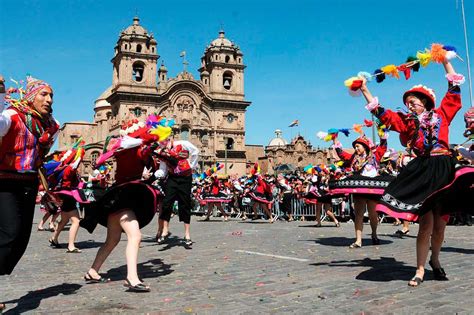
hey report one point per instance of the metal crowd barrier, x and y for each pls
(299, 208)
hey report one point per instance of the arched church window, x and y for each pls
(184, 133)
(205, 140)
(139, 48)
(126, 46)
(205, 81)
(227, 59)
(138, 70)
(94, 156)
(153, 49)
(137, 111)
(229, 144)
(227, 80)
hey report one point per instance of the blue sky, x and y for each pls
(298, 53)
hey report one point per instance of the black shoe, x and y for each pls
(140, 287)
(54, 244)
(438, 273)
(188, 242)
(375, 240)
(400, 233)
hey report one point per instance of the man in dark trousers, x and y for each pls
(178, 160)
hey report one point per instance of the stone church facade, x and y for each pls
(209, 111)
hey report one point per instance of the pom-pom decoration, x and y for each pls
(438, 53)
(321, 135)
(365, 75)
(358, 128)
(424, 57)
(391, 70)
(413, 63)
(379, 75)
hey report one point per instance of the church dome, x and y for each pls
(101, 101)
(222, 41)
(278, 140)
(135, 29)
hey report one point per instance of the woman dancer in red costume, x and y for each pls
(364, 184)
(128, 205)
(421, 189)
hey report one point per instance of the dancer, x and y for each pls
(286, 193)
(127, 206)
(364, 183)
(214, 196)
(261, 193)
(67, 190)
(423, 186)
(178, 158)
(27, 131)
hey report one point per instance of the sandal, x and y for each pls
(54, 243)
(205, 219)
(188, 242)
(417, 280)
(338, 224)
(162, 239)
(139, 287)
(89, 279)
(74, 251)
(438, 273)
(355, 245)
(318, 224)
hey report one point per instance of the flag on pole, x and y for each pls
(294, 123)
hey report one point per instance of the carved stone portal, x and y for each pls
(185, 104)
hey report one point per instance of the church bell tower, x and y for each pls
(135, 60)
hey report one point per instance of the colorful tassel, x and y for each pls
(406, 71)
(424, 57)
(345, 131)
(358, 128)
(391, 70)
(368, 123)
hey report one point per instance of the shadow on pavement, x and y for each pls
(174, 241)
(32, 299)
(88, 244)
(152, 268)
(457, 250)
(340, 241)
(331, 225)
(398, 237)
(383, 269)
